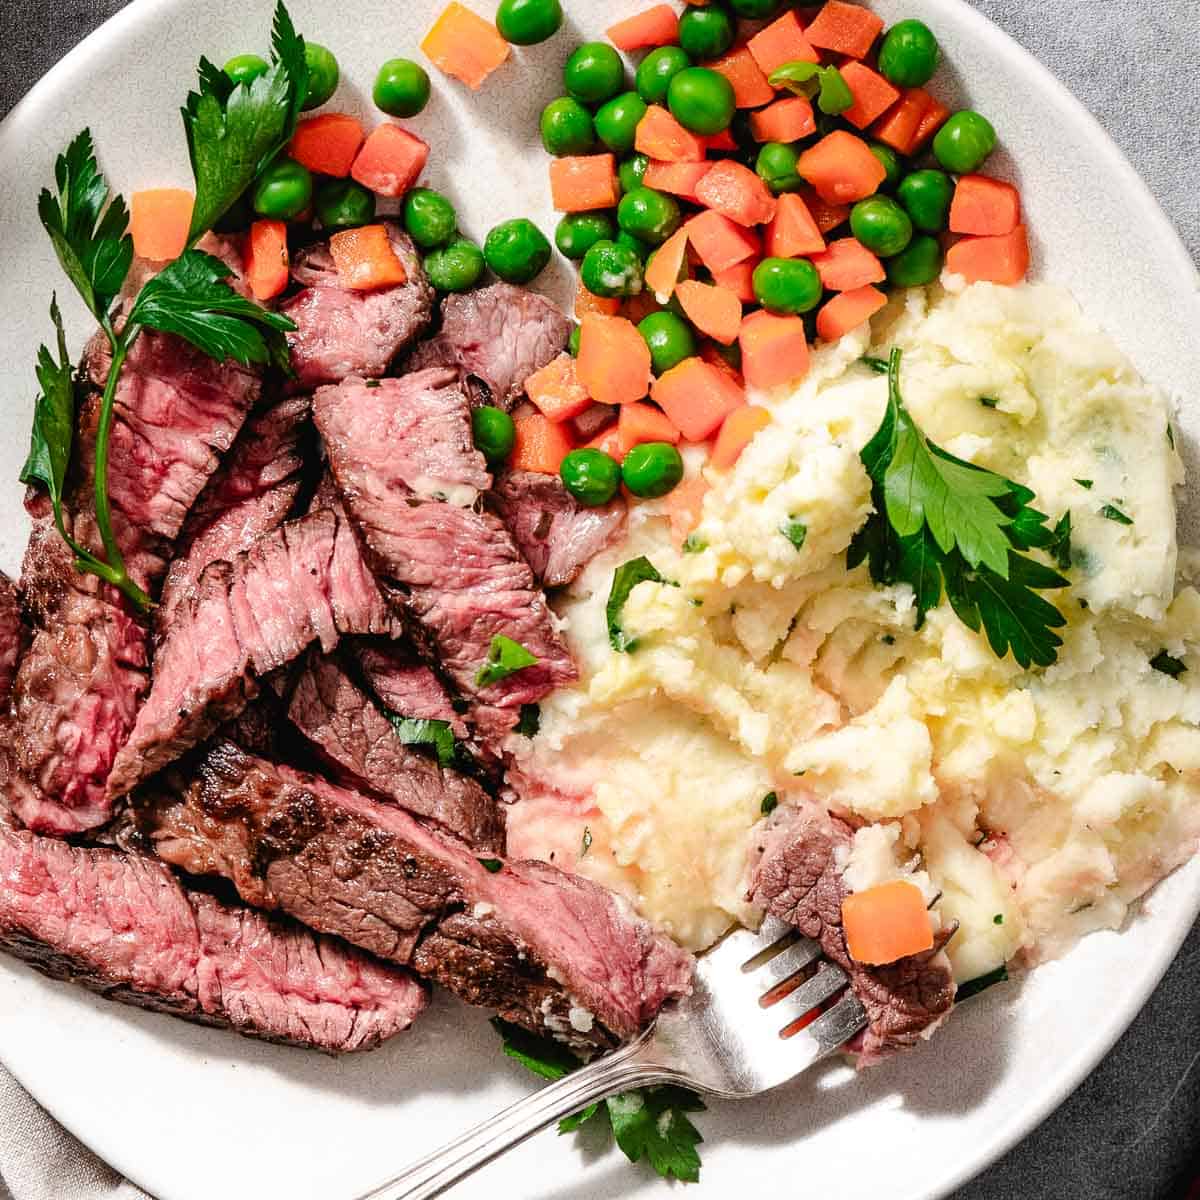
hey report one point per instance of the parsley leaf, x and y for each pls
(493, 866)
(625, 579)
(795, 531)
(878, 365)
(191, 298)
(694, 544)
(233, 132)
(422, 731)
(974, 986)
(88, 227)
(586, 843)
(770, 802)
(543, 1056)
(1168, 664)
(1087, 484)
(530, 722)
(505, 658)
(1112, 513)
(826, 84)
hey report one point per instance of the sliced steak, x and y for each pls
(252, 494)
(496, 336)
(794, 877)
(366, 752)
(12, 638)
(557, 535)
(455, 571)
(550, 951)
(123, 926)
(341, 332)
(79, 685)
(403, 682)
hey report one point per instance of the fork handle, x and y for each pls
(436, 1173)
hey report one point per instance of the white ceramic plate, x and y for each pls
(191, 1114)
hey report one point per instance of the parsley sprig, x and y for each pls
(826, 85)
(941, 523)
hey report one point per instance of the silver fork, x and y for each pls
(725, 1040)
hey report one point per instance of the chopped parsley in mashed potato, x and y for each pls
(1030, 806)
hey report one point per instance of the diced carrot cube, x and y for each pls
(697, 397)
(782, 42)
(985, 207)
(365, 259)
(750, 86)
(827, 216)
(328, 144)
(642, 422)
(936, 114)
(390, 161)
(1003, 259)
(738, 431)
(793, 233)
(608, 442)
(845, 29)
(848, 311)
(737, 192)
(685, 507)
(584, 183)
(911, 122)
(886, 923)
(774, 350)
(847, 265)
(873, 95)
(714, 311)
(720, 242)
(556, 391)
(540, 444)
(614, 360)
(739, 279)
(267, 265)
(662, 137)
(721, 141)
(842, 168)
(666, 265)
(159, 222)
(786, 120)
(464, 45)
(680, 179)
(658, 26)
(588, 302)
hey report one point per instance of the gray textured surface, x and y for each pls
(1132, 1131)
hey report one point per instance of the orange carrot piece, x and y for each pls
(736, 434)
(720, 242)
(697, 397)
(680, 179)
(464, 45)
(737, 192)
(783, 41)
(750, 86)
(658, 26)
(1003, 259)
(793, 232)
(848, 311)
(721, 141)
(685, 507)
(540, 444)
(608, 442)
(936, 114)
(911, 122)
(739, 280)
(159, 222)
(714, 311)
(588, 302)
(390, 161)
(267, 259)
(774, 350)
(642, 422)
(845, 29)
(666, 265)
(873, 95)
(827, 216)
(786, 120)
(662, 137)
(584, 183)
(847, 265)
(365, 259)
(712, 354)
(556, 391)
(614, 360)
(328, 144)
(985, 207)
(842, 168)
(886, 923)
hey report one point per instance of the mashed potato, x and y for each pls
(1033, 806)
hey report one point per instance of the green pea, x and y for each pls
(343, 204)
(573, 341)
(528, 22)
(457, 267)
(495, 433)
(594, 73)
(591, 476)
(670, 339)
(323, 74)
(640, 248)
(919, 265)
(284, 190)
(632, 171)
(577, 233)
(429, 218)
(701, 100)
(706, 33)
(909, 54)
(617, 122)
(881, 225)
(246, 68)
(891, 163)
(963, 144)
(517, 251)
(567, 128)
(927, 196)
(755, 10)
(648, 215)
(776, 166)
(787, 285)
(658, 68)
(652, 470)
(401, 88)
(612, 270)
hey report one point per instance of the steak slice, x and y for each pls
(123, 926)
(557, 535)
(403, 682)
(454, 571)
(794, 877)
(366, 752)
(83, 678)
(550, 951)
(497, 336)
(12, 637)
(342, 332)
